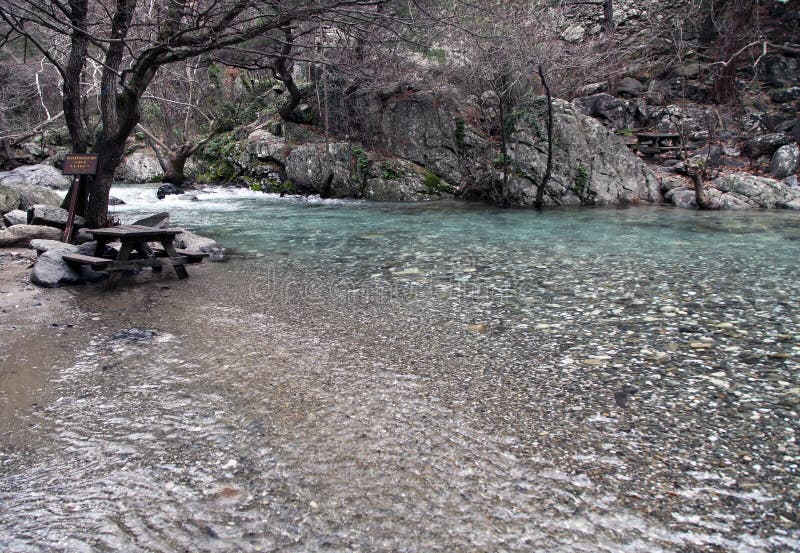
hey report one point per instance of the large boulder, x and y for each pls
(159, 220)
(22, 196)
(36, 175)
(265, 146)
(590, 164)
(758, 192)
(52, 216)
(785, 162)
(21, 235)
(139, 167)
(51, 271)
(765, 144)
(15, 217)
(41, 246)
(194, 242)
(342, 170)
(168, 190)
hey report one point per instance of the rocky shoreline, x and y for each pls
(27, 222)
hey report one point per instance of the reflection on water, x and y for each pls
(428, 378)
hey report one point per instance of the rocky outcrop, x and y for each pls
(456, 139)
(21, 235)
(590, 164)
(740, 191)
(342, 170)
(139, 167)
(615, 113)
(35, 175)
(758, 192)
(52, 216)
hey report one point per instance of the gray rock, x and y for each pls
(780, 70)
(168, 190)
(36, 175)
(791, 181)
(51, 271)
(574, 33)
(614, 113)
(138, 168)
(629, 86)
(785, 162)
(765, 145)
(15, 217)
(684, 198)
(757, 191)
(688, 69)
(194, 242)
(134, 335)
(658, 92)
(21, 235)
(340, 170)
(159, 220)
(590, 164)
(22, 196)
(41, 246)
(52, 216)
(594, 88)
(785, 95)
(268, 147)
(113, 200)
(82, 236)
(421, 126)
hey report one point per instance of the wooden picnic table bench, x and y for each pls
(135, 238)
(650, 143)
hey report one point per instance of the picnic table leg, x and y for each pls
(124, 253)
(100, 247)
(169, 247)
(147, 252)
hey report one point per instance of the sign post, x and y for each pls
(79, 166)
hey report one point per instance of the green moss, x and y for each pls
(434, 185)
(581, 185)
(500, 161)
(389, 171)
(436, 55)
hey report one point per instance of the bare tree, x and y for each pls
(130, 42)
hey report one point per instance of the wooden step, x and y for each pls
(80, 259)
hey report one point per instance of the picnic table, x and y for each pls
(655, 143)
(136, 238)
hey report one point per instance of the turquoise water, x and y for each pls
(432, 377)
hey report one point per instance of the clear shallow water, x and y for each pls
(388, 377)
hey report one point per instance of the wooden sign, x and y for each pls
(80, 164)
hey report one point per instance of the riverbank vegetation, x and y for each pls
(185, 85)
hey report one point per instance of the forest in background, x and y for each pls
(189, 79)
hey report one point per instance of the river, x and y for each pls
(365, 376)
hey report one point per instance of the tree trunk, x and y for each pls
(539, 202)
(732, 34)
(174, 172)
(608, 24)
(700, 194)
